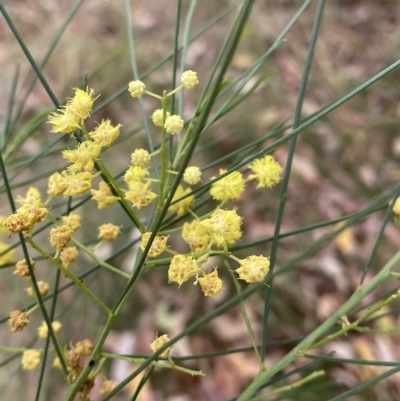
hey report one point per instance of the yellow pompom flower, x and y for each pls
(229, 187)
(76, 183)
(107, 386)
(25, 218)
(181, 207)
(105, 134)
(7, 257)
(157, 247)
(30, 359)
(189, 79)
(82, 103)
(139, 194)
(83, 157)
(32, 196)
(224, 227)
(157, 117)
(43, 289)
(84, 347)
(73, 221)
(35, 210)
(56, 185)
(192, 175)
(158, 343)
(211, 284)
(253, 268)
(21, 268)
(181, 269)
(109, 232)
(135, 174)
(174, 124)
(195, 234)
(43, 329)
(64, 121)
(137, 88)
(103, 196)
(18, 320)
(68, 255)
(141, 158)
(266, 171)
(60, 236)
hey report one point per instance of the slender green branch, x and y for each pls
(68, 274)
(100, 261)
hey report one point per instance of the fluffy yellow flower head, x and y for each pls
(107, 386)
(141, 158)
(64, 121)
(195, 234)
(158, 343)
(181, 207)
(68, 255)
(137, 88)
(25, 217)
(266, 171)
(109, 232)
(32, 196)
(189, 79)
(103, 196)
(30, 359)
(229, 187)
(211, 284)
(83, 157)
(43, 329)
(253, 269)
(56, 185)
(157, 117)
(192, 175)
(135, 174)
(81, 104)
(60, 236)
(181, 269)
(18, 320)
(139, 194)
(224, 227)
(21, 268)
(73, 221)
(157, 247)
(105, 134)
(43, 289)
(174, 124)
(76, 183)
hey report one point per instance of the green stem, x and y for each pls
(290, 387)
(110, 180)
(163, 365)
(246, 317)
(99, 260)
(163, 155)
(68, 274)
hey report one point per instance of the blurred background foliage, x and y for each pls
(342, 162)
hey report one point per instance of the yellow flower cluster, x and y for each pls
(75, 355)
(24, 219)
(158, 343)
(69, 117)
